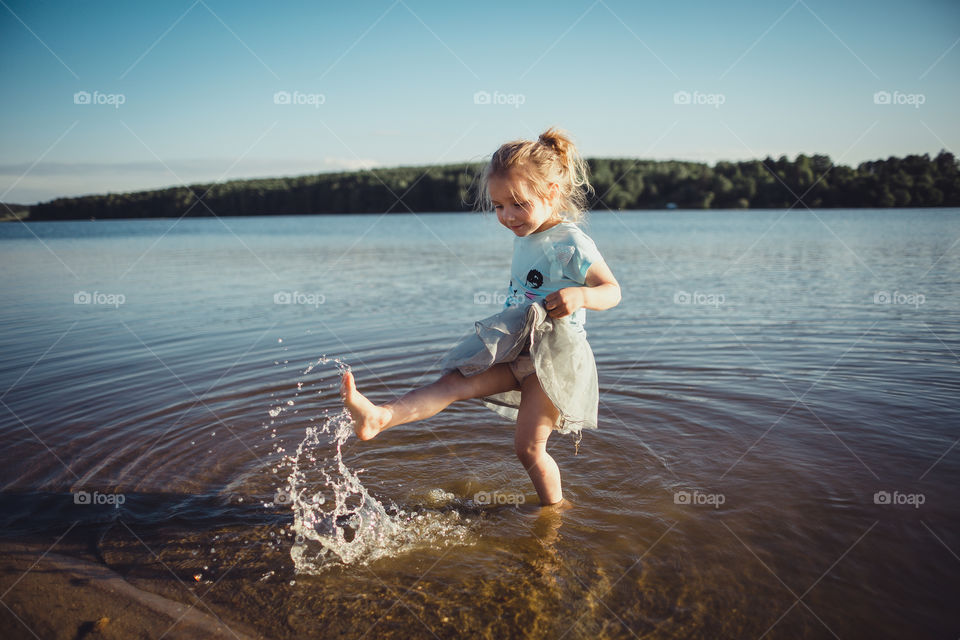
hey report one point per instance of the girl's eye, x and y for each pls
(498, 206)
(522, 205)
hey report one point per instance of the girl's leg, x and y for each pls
(534, 425)
(369, 419)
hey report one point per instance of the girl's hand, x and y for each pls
(564, 302)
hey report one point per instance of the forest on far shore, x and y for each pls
(912, 181)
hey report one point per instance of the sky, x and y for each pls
(119, 96)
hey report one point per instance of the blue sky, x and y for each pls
(391, 83)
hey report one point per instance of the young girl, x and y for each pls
(530, 362)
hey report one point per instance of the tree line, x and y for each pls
(912, 181)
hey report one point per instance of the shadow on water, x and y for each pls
(230, 554)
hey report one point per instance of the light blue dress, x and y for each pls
(542, 263)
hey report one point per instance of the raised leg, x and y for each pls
(370, 420)
(535, 422)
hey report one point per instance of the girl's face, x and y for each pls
(522, 215)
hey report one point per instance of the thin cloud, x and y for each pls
(49, 180)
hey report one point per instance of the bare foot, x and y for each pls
(368, 419)
(547, 527)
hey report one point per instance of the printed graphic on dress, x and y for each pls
(535, 281)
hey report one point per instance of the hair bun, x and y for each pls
(557, 139)
(562, 146)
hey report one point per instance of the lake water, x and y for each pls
(776, 454)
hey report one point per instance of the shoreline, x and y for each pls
(25, 216)
(52, 595)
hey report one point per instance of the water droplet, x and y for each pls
(351, 526)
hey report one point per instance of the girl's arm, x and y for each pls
(602, 291)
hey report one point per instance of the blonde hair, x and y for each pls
(553, 158)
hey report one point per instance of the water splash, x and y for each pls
(336, 520)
